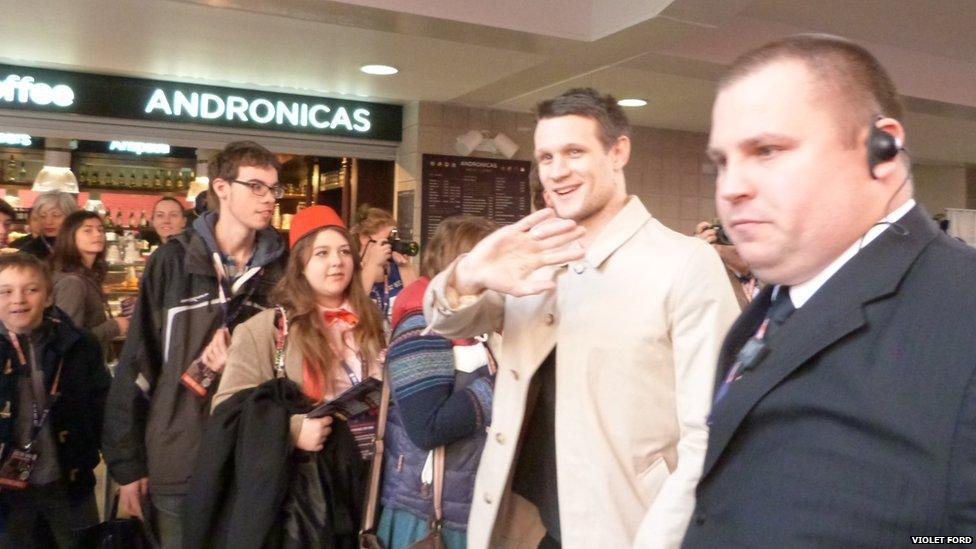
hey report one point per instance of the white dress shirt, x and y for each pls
(801, 293)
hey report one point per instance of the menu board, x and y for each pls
(404, 214)
(492, 188)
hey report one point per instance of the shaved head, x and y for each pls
(848, 78)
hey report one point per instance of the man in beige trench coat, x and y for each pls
(612, 325)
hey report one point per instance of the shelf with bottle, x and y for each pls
(125, 220)
(142, 178)
(20, 167)
(115, 172)
(295, 190)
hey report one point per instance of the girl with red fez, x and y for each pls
(334, 340)
(335, 335)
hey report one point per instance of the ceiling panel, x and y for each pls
(199, 43)
(938, 27)
(505, 54)
(673, 102)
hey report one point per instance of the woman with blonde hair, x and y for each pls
(384, 272)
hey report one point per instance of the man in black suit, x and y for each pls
(845, 404)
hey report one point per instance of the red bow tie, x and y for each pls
(334, 315)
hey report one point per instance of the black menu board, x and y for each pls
(404, 214)
(452, 185)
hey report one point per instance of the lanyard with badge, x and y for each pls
(16, 471)
(198, 377)
(225, 289)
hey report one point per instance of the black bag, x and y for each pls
(118, 533)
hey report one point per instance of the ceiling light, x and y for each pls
(381, 70)
(631, 102)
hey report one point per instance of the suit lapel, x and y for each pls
(836, 310)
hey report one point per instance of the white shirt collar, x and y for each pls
(801, 293)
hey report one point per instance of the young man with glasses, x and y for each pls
(195, 289)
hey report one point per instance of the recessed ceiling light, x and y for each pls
(381, 70)
(631, 102)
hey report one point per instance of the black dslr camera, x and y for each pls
(405, 247)
(720, 236)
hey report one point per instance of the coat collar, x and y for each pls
(60, 336)
(628, 221)
(837, 309)
(197, 260)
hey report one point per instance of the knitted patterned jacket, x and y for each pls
(441, 396)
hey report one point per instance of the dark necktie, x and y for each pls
(757, 347)
(781, 309)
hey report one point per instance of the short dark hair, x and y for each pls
(65, 256)
(847, 73)
(7, 210)
(589, 103)
(24, 260)
(227, 163)
(170, 199)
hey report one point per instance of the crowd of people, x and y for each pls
(799, 374)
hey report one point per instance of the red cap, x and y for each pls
(311, 219)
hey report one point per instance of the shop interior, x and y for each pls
(122, 180)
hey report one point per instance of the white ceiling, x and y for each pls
(506, 53)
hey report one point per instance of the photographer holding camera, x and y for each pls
(385, 258)
(744, 284)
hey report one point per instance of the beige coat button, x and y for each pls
(549, 319)
(515, 374)
(487, 497)
(579, 268)
(500, 438)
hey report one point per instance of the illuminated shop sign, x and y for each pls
(138, 147)
(264, 111)
(133, 98)
(16, 139)
(26, 89)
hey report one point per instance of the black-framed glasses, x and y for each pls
(260, 189)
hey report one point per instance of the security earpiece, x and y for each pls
(882, 147)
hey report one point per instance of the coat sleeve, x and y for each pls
(141, 360)
(250, 360)
(421, 370)
(702, 307)
(962, 469)
(461, 316)
(70, 295)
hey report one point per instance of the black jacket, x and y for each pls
(858, 429)
(242, 483)
(76, 415)
(40, 247)
(152, 422)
